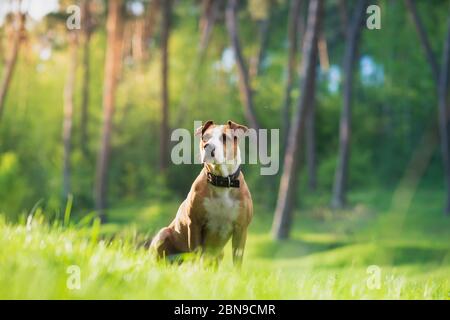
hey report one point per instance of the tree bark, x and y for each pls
(350, 57)
(87, 31)
(69, 96)
(293, 28)
(164, 132)
(112, 68)
(244, 79)
(8, 70)
(288, 184)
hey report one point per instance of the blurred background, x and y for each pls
(91, 91)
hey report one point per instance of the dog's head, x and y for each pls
(219, 144)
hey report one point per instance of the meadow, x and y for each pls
(329, 255)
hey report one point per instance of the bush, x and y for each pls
(13, 186)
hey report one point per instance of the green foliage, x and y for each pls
(389, 117)
(13, 186)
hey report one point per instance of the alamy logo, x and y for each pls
(73, 22)
(374, 20)
(74, 279)
(256, 142)
(374, 280)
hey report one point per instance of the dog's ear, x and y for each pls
(200, 130)
(239, 130)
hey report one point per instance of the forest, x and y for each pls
(354, 97)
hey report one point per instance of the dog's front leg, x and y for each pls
(238, 244)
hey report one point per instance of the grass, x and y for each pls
(327, 257)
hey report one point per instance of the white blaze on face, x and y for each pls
(213, 140)
(226, 157)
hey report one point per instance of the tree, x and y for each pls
(150, 20)
(210, 12)
(311, 155)
(87, 33)
(288, 183)
(444, 114)
(293, 28)
(423, 39)
(69, 96)
(244, 79)
(164, 132)
(264, 17)
(19, 31)
(350, 57)
(112, 67)
(440, 77)
(311, 152)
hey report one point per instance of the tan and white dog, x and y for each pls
(219, 205)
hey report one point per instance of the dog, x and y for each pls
(219, 205)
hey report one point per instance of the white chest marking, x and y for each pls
(222, 211)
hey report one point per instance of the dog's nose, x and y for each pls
(210, 149)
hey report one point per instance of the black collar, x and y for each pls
(231, 181)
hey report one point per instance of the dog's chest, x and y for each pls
(221, 212)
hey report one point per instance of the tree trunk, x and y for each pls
(323, 52)
(151, 18)
(127, 49)
(11, 62)
(440, 78)
(293, 28)
(137, 41)
(164, 133)
(288, 184)
(87, 30)
(264, 28)
(2, 45)
(311, 158)
(244, 80)
(207, 21)
(444, 114)
(343, 17)
(69, 96)
(301, 26)
(350, 57)
(112, 68)
(423, 39)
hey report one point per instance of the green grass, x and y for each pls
(327, 257)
